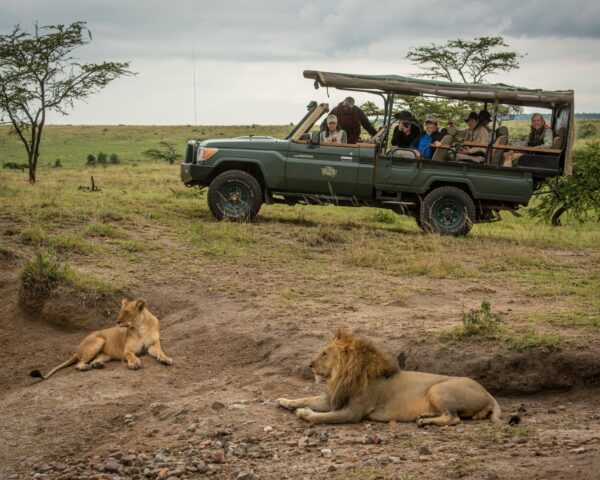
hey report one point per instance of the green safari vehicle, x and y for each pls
(444, 194)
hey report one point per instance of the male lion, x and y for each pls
(363, 382)
(137, 332)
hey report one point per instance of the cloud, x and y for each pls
(250, 55)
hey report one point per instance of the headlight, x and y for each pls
(204, 153)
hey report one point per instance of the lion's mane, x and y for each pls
(357, 362)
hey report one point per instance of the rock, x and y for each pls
(562, 407)
(460, 430)
(303, 442)
(128, 416)
(332, 467)
(246, 476)
(160, 458)
(217, 456)
(217, 406)
(268, 428)
(424, 451)
(309, 432)
(112, 467)
(157, 407)
(578, 450)
(423, 458)
(324, 438)
(384, 459)
(326, 452)
(192, 427)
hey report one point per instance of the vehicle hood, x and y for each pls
(247, 143)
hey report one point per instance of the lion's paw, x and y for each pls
(283, 403)
(166, 361)
(304, 413)
(134, 365)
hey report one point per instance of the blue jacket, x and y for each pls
(427, 150)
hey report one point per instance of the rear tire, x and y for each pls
(235, 195)
(448, 211)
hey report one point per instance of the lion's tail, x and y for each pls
(38, 374)
(495, 415)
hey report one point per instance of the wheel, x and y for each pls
(234, 195)
(447, 211)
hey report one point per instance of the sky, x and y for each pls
(249, 56)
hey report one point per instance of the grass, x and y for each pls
(144, 226)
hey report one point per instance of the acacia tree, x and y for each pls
(38, 74)
(167, 154)
(467, 61)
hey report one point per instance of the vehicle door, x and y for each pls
(324, 169)
(397, 171)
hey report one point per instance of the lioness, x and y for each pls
(363, 382)
(137, 332)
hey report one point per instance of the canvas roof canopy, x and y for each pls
(461, 91)
(485, 92)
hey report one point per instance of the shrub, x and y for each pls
(90, 160)
(15, 166)
(41, 274)
(113, 159)
(481, 321)
(102, 158)
(579, 195)
(587, 130)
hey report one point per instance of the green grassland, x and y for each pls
(144, 226)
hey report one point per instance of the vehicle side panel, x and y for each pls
(484, 181)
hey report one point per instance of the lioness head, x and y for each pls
(130, 312)
(350, 364)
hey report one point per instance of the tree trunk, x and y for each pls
(32, 168)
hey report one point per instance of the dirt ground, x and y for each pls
(213, 412)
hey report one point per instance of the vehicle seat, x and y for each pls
(441, 154)
(501, 139)
(403, 153)
(559, 141)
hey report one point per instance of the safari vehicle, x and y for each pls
(443, 194)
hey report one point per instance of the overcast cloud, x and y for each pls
(250, 56)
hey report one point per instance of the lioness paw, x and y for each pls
(304, 413)
(166, 360)
(283, 403)
(134, 365)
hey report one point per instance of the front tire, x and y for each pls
(448, 211)
(235, 195)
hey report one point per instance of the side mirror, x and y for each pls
(315, 139)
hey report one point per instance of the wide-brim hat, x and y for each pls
(472, 116)
(432, 119)
(405, 115)
(485, 116)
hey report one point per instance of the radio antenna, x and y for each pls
(194, 69)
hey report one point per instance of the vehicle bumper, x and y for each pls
(194, 174)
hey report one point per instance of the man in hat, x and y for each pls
(476, 132)
(406, 130)
(350, 118)
(424, 143)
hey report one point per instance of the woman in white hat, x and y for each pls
(333, 133)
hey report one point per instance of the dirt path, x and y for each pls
(213, 411)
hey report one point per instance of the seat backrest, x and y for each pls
(497, 152)
(442, 153)
(500, 131)
(559, 140)
(403, 153)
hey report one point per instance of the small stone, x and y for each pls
(303, 442)
(128, 416)
(217, 406)
(112, 467)
(160, 458)
(562, 407)
(326, 452)
(424, 451)
(460, 430)
(384, 459)
(332, 467)
(323, 438)
(423, 458)
(192, 427)
(578, 450)
(218, 456)
(268, 428)
(309, 432)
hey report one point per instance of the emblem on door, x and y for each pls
(329, 172)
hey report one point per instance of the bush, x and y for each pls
(15, 166)
(102, 158)
(481, 321)
(579, 195)
(40, 275)
(113, 159)
(385, 216)
(90, 160)
(587, 130)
